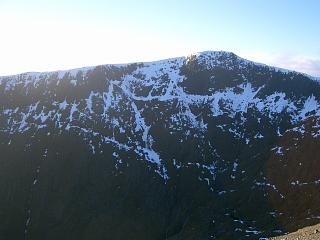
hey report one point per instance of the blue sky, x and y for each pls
(50, 35)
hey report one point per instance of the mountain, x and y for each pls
(208, 146)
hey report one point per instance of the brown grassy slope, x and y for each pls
(307, 233)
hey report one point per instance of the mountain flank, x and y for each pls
(207, 146)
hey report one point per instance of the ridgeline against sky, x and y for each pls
(55, 34)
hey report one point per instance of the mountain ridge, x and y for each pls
(183, 148)
(207, 52)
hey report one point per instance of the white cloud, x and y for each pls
(296, 62)
(302, 64)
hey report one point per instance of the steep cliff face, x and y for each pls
(293, 168)
(200, 147)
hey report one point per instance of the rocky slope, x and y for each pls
(307, 233)
(209, 146)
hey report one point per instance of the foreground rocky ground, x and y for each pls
(307, 233)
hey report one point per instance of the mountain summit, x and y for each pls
(208, 146)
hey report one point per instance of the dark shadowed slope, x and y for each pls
(207, 146)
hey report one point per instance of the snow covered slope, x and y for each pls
(205, 124)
